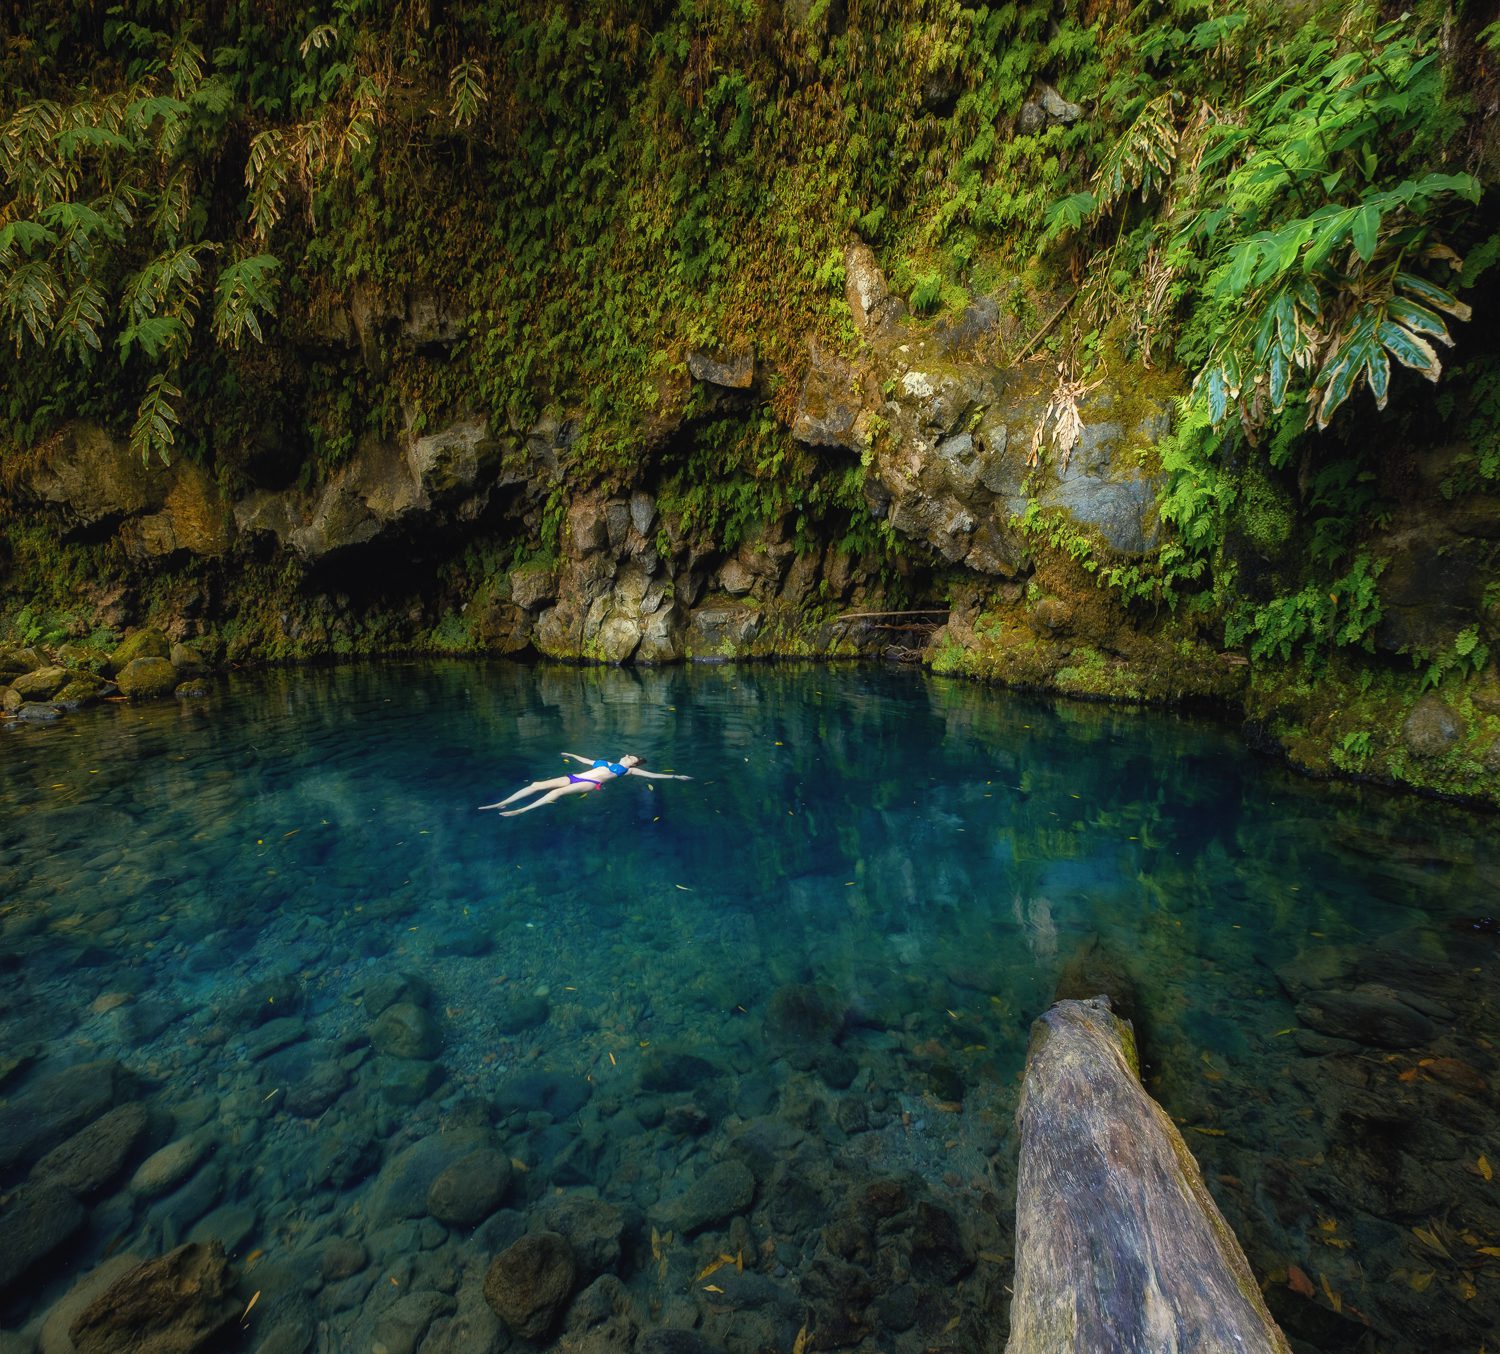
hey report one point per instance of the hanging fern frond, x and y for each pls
(28, 300)
(267, 173)
(245, 290)
(156, 420)
(167, 284)
(186, 67)
(80, 321)
(324, 35)
(466, 91)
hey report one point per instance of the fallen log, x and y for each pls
(1120, 1249)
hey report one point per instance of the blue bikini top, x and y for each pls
(614, 767)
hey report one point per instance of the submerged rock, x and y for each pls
(406, 1031)
(400, 1328)
(91, 1158)
(715, 1196)
(165, 1168)
(592, 1228)
(528, 1284)
(35, 712)
(51, 1109)
(177, 1304)
(35, 1222)
(469, 1190)
(401, 1190)
(1369, 1014)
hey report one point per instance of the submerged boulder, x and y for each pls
(177, 1304)
(528, 1284)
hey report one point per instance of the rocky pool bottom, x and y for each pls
(720, 1066)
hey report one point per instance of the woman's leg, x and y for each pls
(533, 788)
(566, 788)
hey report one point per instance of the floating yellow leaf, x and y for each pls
(1328, 1224)
(711, 1268)
(799, 1345)
(1420, 1282)
(1491, 1251)
(655, 1244)
(1485, 1169)
(612, 1061)
(952, 1325)
(1333, 1298)
(519, 1165)
(712, 1288)
(249, 1305)
(1467, 1291)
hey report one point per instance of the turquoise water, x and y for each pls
(817, 960)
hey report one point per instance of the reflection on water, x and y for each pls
(777, 1013)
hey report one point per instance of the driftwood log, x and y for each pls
(1119, 1247)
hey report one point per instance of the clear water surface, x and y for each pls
(819, 959)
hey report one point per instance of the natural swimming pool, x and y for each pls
(776, 1014)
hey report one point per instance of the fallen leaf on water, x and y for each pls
(712, 1288)
(1490, 1250)
(1333, 1298)
(612, 1061)
(1328, 1224)
(1208, 1132)
(1299, 1283)
(519, 1165)
(1467, 1291)
(249, 1305)
(711, 1268)
(1485, 1169)
(952, 1325)
(1419, 1282)
(253, 1257)
(800, 1343)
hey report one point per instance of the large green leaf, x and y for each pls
(1366, 231)
(1411, 350)
(1433, 295)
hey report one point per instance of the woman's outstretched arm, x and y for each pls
(656, 775)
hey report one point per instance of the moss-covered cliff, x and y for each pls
(1095, 331)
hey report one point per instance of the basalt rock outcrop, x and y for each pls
(958, 444)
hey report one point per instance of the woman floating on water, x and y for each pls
(598, 774)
